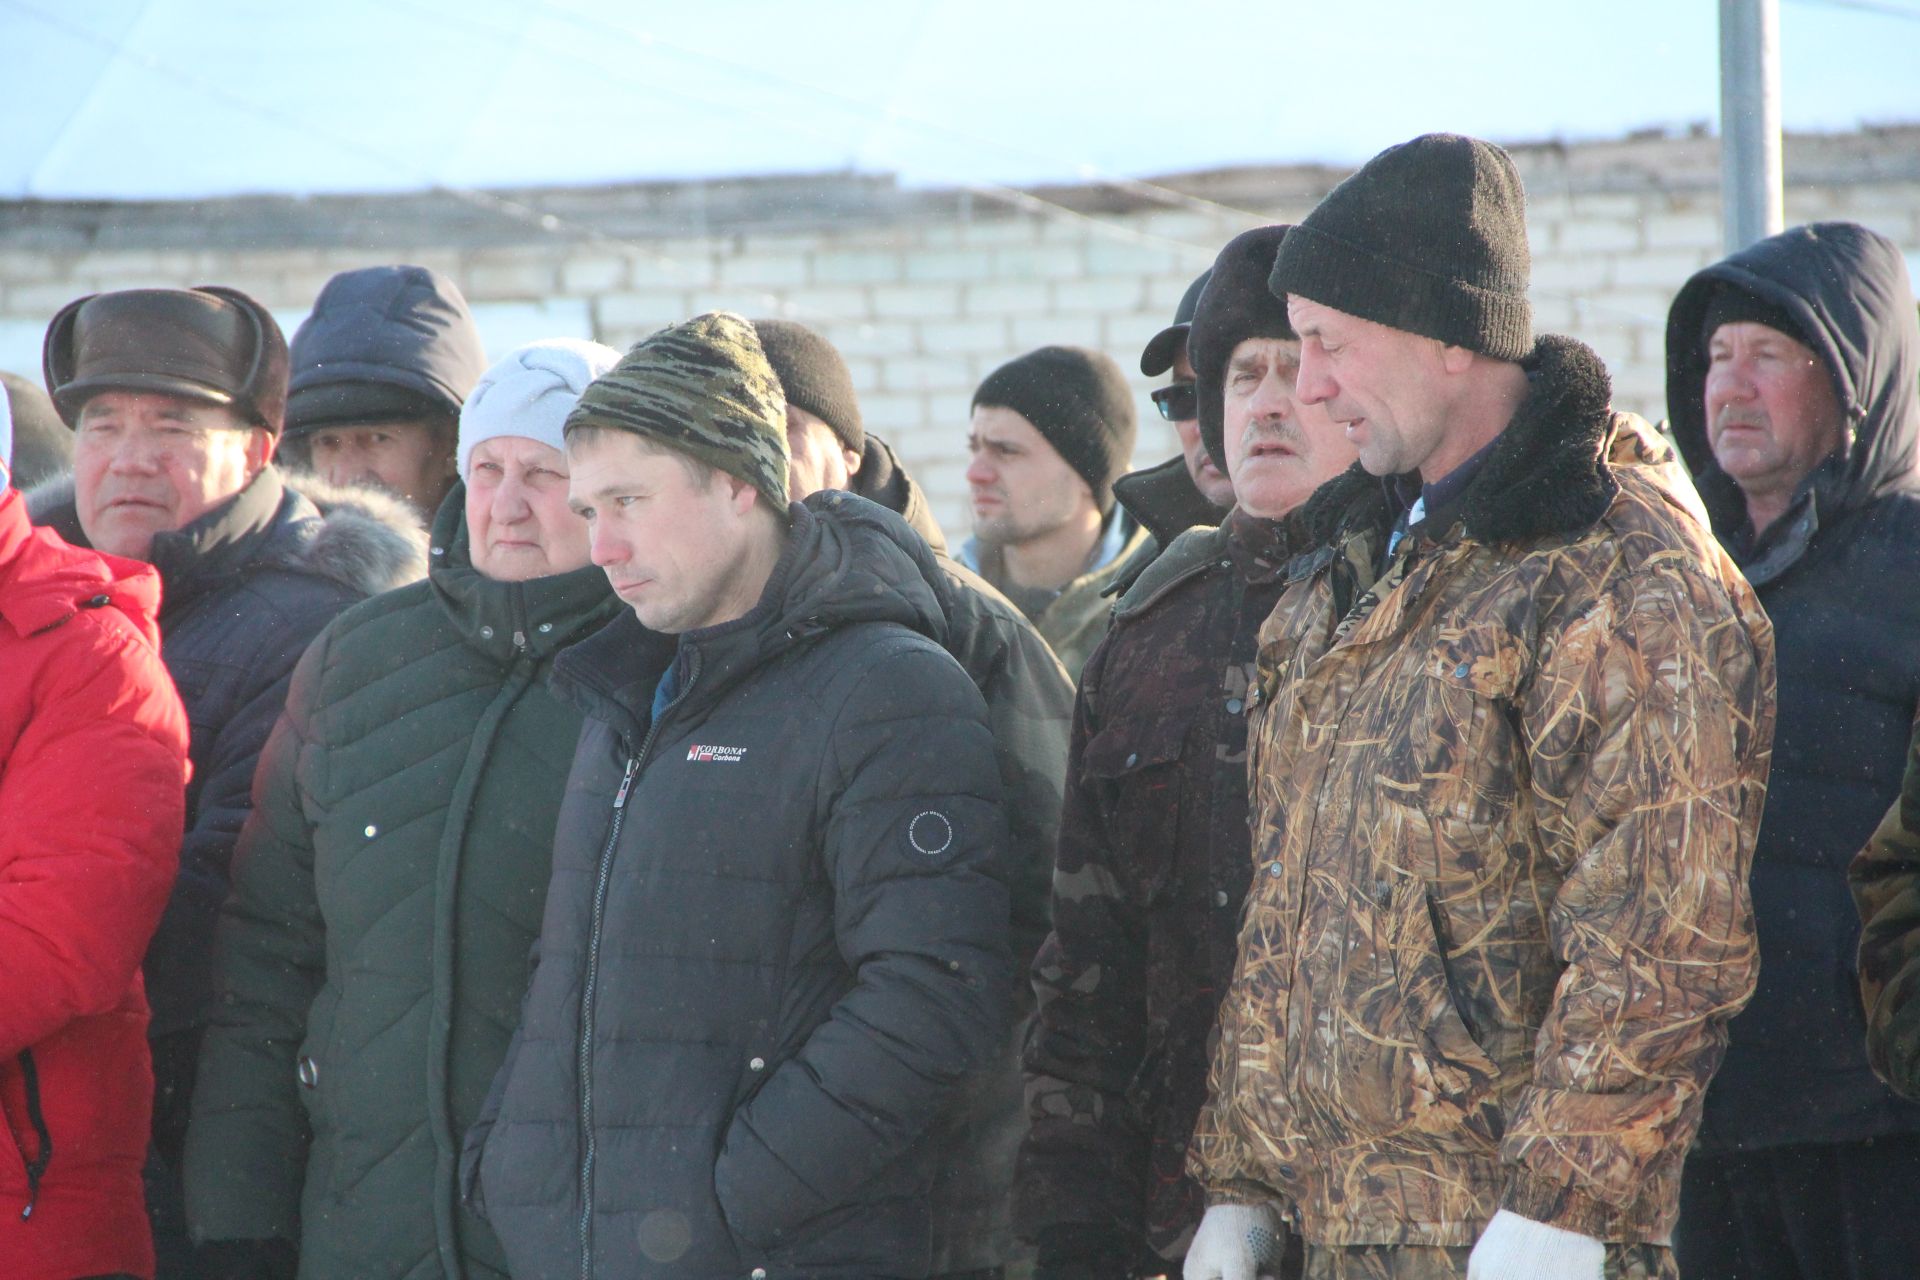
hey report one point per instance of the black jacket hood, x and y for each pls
(1846, 288)
(397, 326)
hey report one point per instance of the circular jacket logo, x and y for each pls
(930, 833)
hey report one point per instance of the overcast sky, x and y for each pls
(155, 98)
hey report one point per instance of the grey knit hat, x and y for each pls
(1429, 237)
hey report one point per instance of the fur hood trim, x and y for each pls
(363, 538)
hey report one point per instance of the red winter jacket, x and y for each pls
(93, 749)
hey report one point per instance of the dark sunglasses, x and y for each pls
(1177, 403)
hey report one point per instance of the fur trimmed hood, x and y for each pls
(362, 538)
(1547, 474)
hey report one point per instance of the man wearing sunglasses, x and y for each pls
(1189, 489)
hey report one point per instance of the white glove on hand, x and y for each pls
(1517, 1248)
(1235, 1242)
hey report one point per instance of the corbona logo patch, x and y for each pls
(717, 755)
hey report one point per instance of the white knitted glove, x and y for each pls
(1235, 1242)
(1517, 1248)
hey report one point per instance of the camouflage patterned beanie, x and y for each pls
(706, 389)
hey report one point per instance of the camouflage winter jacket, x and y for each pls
(1505, 798)
(1885, 879)
(1151, 872)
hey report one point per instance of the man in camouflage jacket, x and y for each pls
(1153, 859)
(1886, 886)
(1510, 752)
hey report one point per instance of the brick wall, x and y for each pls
(926, 291)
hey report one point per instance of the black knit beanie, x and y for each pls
(1079, 400)
(1429, 237)
(814, 377)
(1236, 305)
(1731, 304)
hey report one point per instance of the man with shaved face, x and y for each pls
(1791, 372)
(1511, 716)
(1153, 863)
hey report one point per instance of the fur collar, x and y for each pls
(1547, 473)
(362, 538)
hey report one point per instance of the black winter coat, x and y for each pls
(1839, 574)
(1030, 711)
(775, 941)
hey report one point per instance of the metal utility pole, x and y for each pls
(1751, 178)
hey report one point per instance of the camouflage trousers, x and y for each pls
(1407, 1262)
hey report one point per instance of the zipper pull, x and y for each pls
(626, 783)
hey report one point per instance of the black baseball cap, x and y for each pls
(1163, 346)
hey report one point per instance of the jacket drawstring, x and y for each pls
(36, 1167)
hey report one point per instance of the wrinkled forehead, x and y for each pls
(160, 406)
(519, 451)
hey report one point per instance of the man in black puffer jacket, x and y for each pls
(1029, 708)
(177, 397)
(1791, 371)
(775, 942)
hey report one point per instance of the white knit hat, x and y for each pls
(529, 392)
(6, 435)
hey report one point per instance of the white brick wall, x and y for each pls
(925, 306)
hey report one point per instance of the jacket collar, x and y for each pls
(884, 480)
(1546, 475)
(209, 551)
(1257, 550)
(1164, 500)
(537, 617)
(44, 580)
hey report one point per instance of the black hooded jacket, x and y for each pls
(1836, 574)
(399, 327)
(775, 939)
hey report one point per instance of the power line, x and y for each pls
(547, 222)
(1149, 191)
(1882, 8)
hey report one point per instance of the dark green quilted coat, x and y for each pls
(387, 891)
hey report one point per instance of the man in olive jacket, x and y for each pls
(775, 943)
(389, 884)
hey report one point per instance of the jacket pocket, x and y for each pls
(1377, 1045)
(1136, 764)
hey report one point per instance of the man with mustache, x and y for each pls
(1153, 862)
(1791, 370)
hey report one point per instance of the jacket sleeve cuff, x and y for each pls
(1559, 1205)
